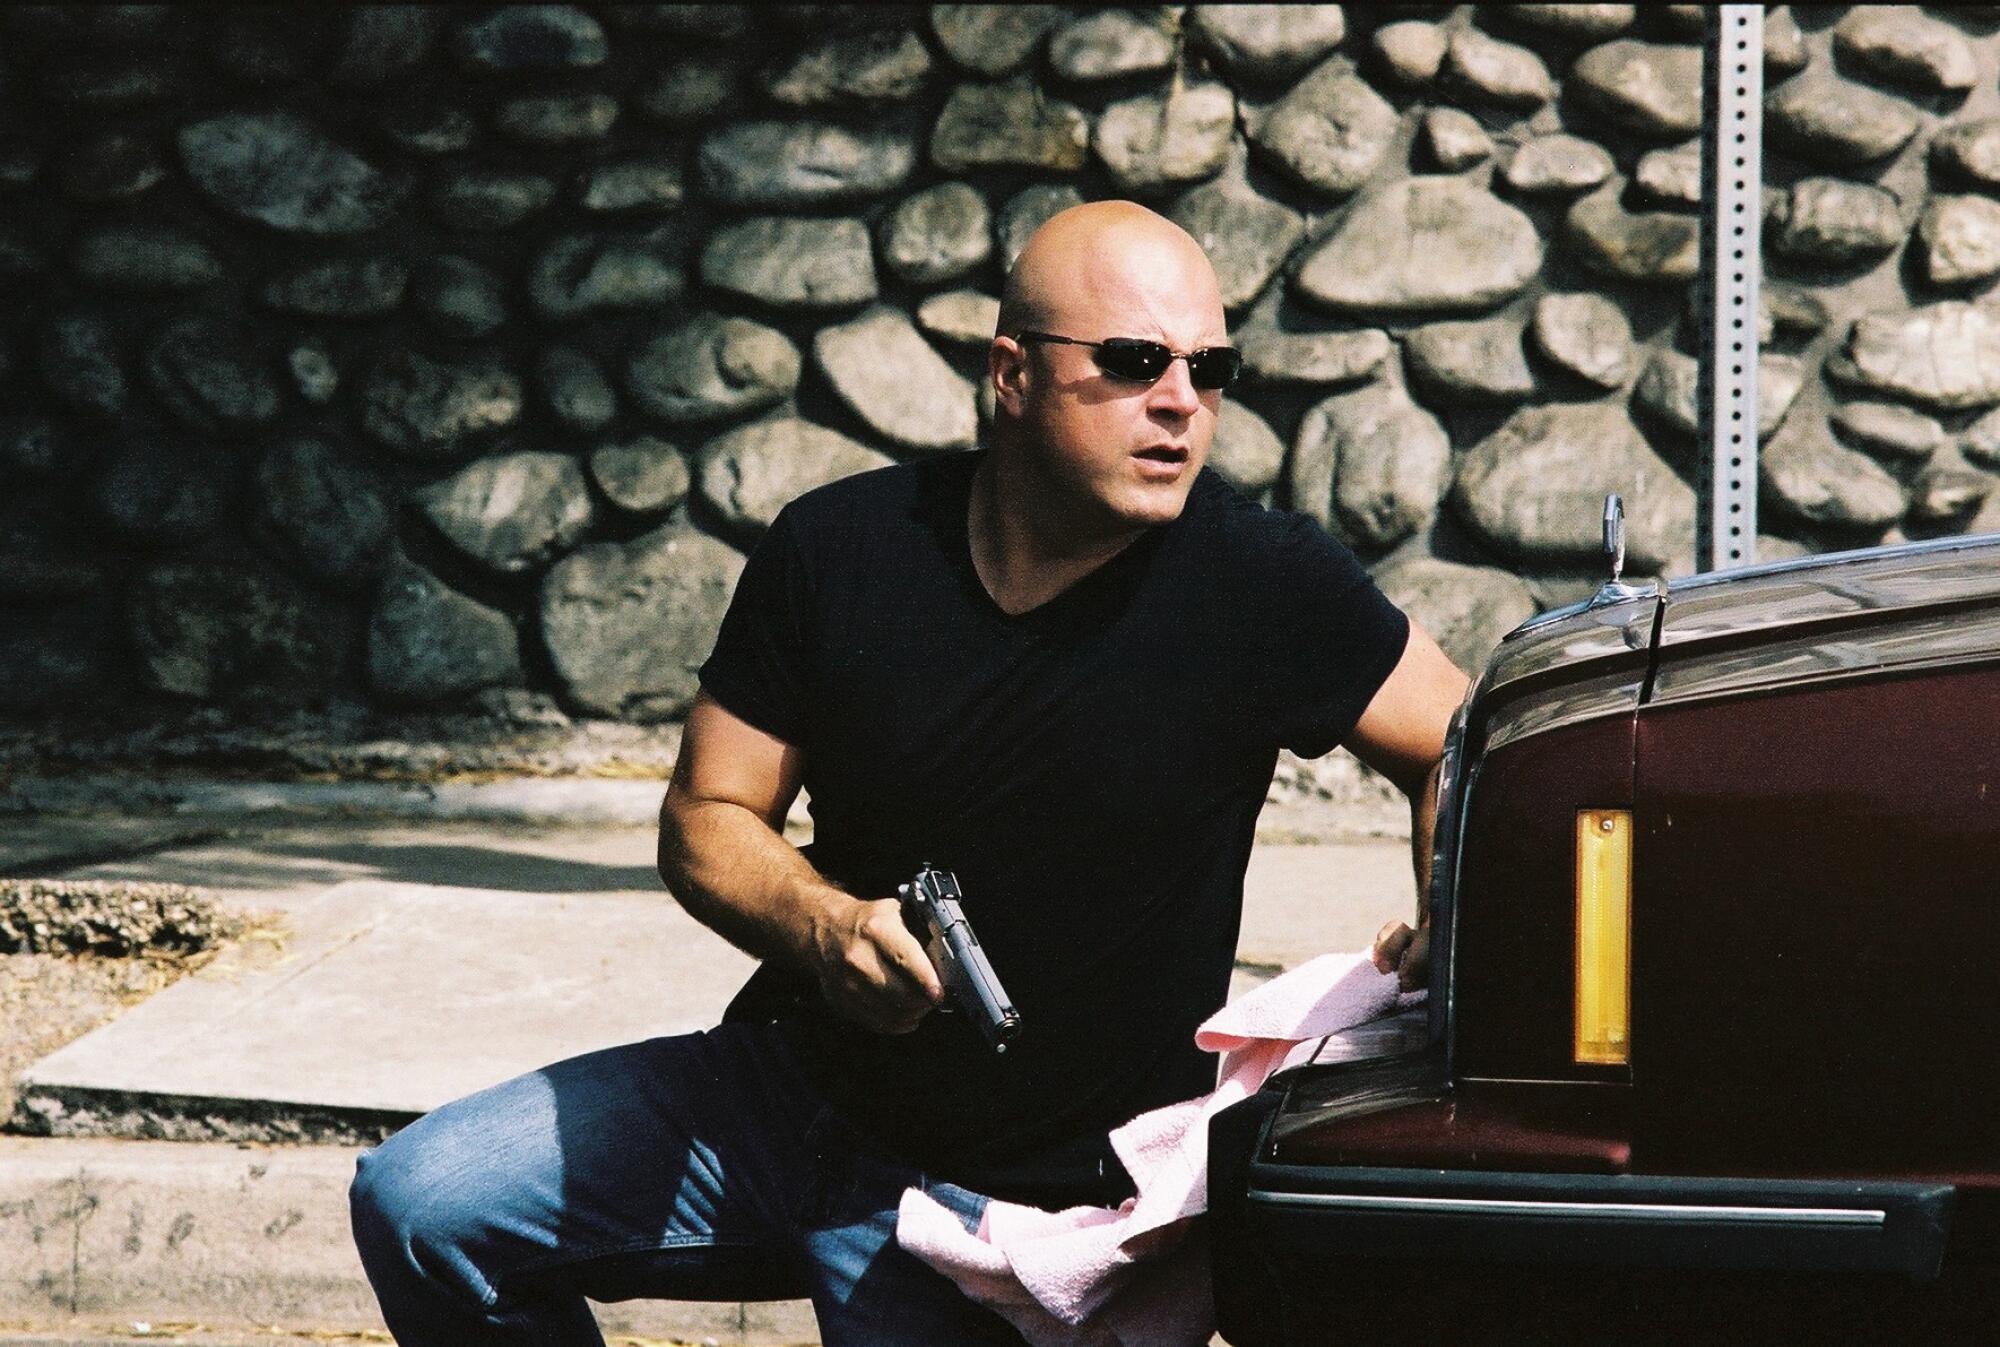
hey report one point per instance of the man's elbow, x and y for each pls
(675, 853)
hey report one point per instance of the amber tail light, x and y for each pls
(1604, 936)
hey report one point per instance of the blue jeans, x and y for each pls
(700, 1167)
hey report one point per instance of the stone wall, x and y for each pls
(425, 357)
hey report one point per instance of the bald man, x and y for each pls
(1061, 667)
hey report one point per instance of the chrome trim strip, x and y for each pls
(1831, 560)
(1934, 641)
(1566, 704)
(1614, 1211)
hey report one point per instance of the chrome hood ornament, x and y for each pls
(1615, 590)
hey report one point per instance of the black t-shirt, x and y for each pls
(1091, 771)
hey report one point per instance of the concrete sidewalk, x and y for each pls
(423, 959)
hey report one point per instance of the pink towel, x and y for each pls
(1138, 1276)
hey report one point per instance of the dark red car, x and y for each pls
(1713, 1046)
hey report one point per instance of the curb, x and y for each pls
(245, 1241)
(533, 799)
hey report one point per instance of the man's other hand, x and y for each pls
(871, 969)
(1404, 952)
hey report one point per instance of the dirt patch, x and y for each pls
(75, 954)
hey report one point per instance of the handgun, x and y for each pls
(932, 911)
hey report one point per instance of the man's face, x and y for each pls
(1131, 449)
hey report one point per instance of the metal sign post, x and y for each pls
(1732, 182)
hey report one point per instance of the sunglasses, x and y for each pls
(1143, 361)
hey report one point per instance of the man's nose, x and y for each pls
(1175, 391)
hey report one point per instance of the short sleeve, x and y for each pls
(762, 660)
(1338, 640)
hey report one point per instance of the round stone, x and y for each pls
(1667, 390)
(427, 128)
(687, 92)
(1110, 44)
(650, 185)
(880, 65)
(430, 410)
(1481, 361)
(1590, 23)
(645, 477)
(1424, 245)
(1313, 357)
(1455, 140)
(1330, 132)
(575, 389)
(1012, 125)
(211, 377)
(993, 40)
(1837, 122)
(1371, 465)
(939, 234)
(1907, 47)
(1158, 141)
(589, 273)
(964, 318)
(711, 368)
(1650, 247)
(1947, 496)
(896, 382)
(1028, 210)
(789, 262)
(1412, 51)
(1969, 151)
(1246, 236)
(482, 201)
(1267, 43)
(460, 298)
(314, 373)
(1644, 87)
(514, 513)
(1887, 431)
(323, 513)
(1838, 222)
(1961, 237)
(1945, 355)
(793, 164)
(1535, 488)
(1246, 452)
(384, 41)
(1489, 70)
(1465, 609)
(82, 365)
(1587, 335)
(1981, 441)
(364, 287)
(629, 625)
(558, 119)
(428, 643)
(164, 494)
(1671, 178)
(279, 170)
(225, 633)
(1803, 474)
(1558, 163)
(519, 39)
(751, 473)
(144, 257)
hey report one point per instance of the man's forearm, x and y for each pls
(740, 878)
(1423, 832)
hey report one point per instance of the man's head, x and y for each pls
(1119, 452)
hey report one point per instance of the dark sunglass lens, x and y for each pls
(1130, 358)
(1214, 366)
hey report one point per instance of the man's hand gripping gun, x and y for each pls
(932, 912)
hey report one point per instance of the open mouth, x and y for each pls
(1163, 453)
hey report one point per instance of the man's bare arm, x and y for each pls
(724, 857)
(1401, 735)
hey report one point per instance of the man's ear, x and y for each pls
(1007, 367)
